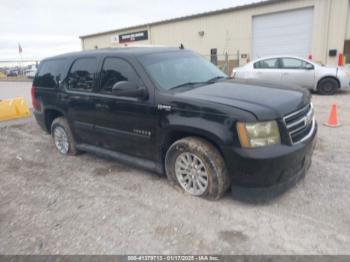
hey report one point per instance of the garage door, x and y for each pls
(285, 33)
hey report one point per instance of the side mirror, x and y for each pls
(309, 67)
(128, 89)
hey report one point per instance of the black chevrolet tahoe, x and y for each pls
(170, 111)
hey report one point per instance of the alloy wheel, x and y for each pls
(61, 140)
(191, 173)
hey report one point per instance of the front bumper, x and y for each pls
(274, 166)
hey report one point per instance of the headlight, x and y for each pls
(258, 134)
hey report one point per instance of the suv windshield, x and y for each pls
(178, 69)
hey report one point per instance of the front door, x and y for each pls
(267, 71)
(297, 71)
(124, 124)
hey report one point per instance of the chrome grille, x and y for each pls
(300, 124)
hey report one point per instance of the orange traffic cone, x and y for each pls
(333, 120)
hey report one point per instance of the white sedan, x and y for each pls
(295, 70)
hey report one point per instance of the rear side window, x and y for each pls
(292, 63)
(267, 64)
(82, 74)
(115, 70)
(50, 73)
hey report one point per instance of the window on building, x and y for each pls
(82, 74)
(214, 56)
(115, 70)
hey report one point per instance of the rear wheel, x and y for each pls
(62, 137)
(197, 168)
(327, 86)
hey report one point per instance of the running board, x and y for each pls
(126, 159)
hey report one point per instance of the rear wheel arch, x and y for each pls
(61, 124)
(50, 115)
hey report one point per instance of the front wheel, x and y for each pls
(327, 86)
(197, 167)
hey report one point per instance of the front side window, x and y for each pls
(267, 64)
(172, 69)
(50, 73)
(292, 63)
(115, 70)
(82, 74)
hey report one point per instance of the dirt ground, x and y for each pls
(54, 204)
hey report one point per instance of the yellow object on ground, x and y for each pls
(13, 108)
(2, 75)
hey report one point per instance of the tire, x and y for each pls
(200, 155)
(61, 127)
(327, 86)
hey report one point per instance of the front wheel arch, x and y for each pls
(325, 78)
(218, 177)
(175, 135)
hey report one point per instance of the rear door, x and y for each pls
(267, 70)
(78, 97)
(124, 124)
(296, 71)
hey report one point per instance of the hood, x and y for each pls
(265, 101)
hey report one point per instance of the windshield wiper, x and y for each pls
(214, 79)
(187, 84)
(210, 81)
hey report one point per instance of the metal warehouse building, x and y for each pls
(320, 28)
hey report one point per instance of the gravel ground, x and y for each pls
(54, 204)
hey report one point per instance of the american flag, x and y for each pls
(19, 48)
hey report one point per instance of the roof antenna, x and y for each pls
(182, 46)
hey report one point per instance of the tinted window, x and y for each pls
(115, 70)
(292, 63)
(50, 73)
(82, 74)
(267, 64)
(176, 68)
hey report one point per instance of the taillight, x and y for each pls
(35, 103)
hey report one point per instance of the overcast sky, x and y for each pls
(45, 28)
